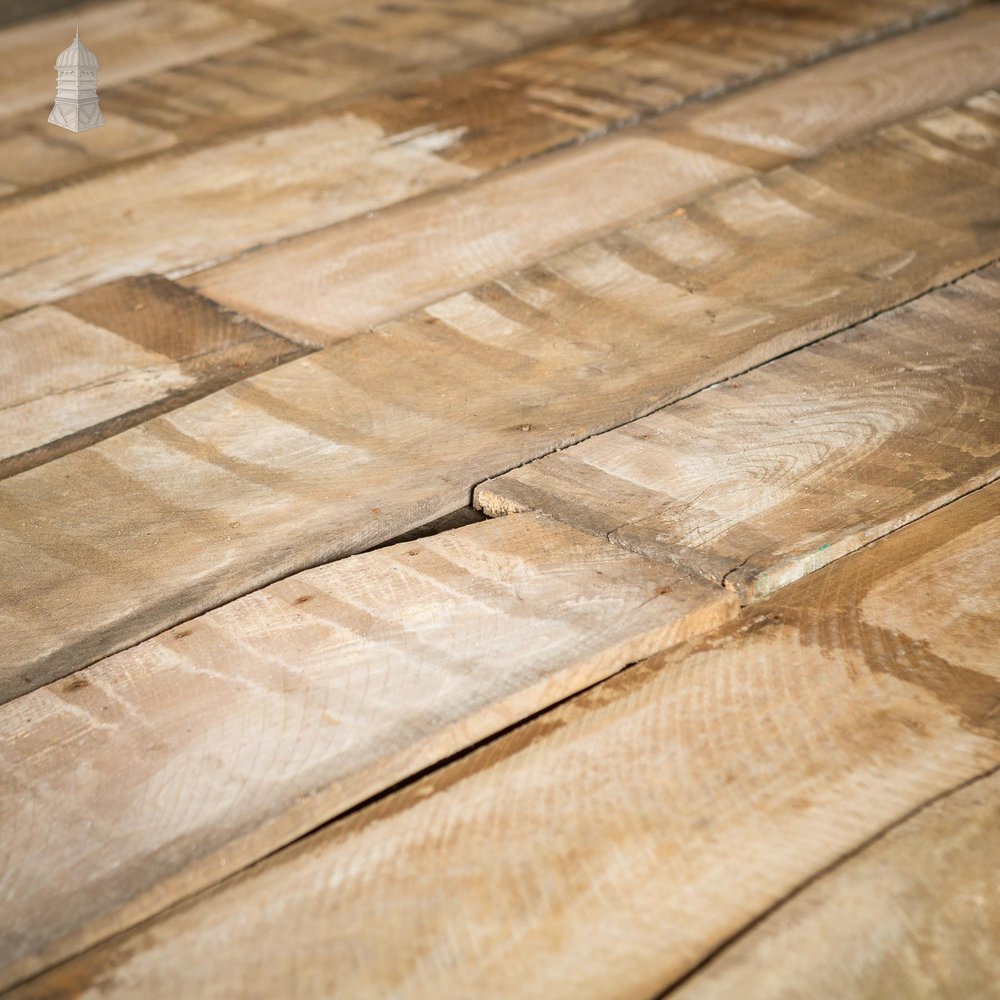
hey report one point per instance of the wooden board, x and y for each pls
(335, 452)
(610, 845)
(338, 281)
(916, 914)
(110, 358)
(129, 37)
(756, 482)
(261, 82)
(263, 719)
(308, 172)
(304, 61)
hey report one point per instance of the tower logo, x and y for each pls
(76, 106)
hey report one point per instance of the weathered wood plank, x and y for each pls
(631, 831)
(327, 285)
(284, 470)
(261, 720)
(130, 37)
(756, 482)
(340, 55)
(112, 357)
(323, 168)
(915, 915)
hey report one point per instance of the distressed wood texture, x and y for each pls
(630, 832)
(758, 481)
(179, 72)
(338, 281)
(341, 55)
(302, 61)
(287, 469)
(130, 37)
(263, 185)
(112, 357)
(241, 730)
(916, 915)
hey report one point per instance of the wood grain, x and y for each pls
(758, 481)
(340, 280)
(608, 846)
(915, 915)
(320, 168)
(303, 60)
(327, 54)
(284, 470)
(110, 358)
(130, 37)
(261, 720)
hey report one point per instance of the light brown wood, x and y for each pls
(155, 99)
(338, 281)
(755, 482)
(190, 207)
(110, 358)
(213, 202)
(326, 286)
(285, 470)
(607, 847)
(915, 915)
(239, 731)
(130, 37)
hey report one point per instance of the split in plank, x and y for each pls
(188, 208)
(916, 914)
(325, 286)
(630, 832)
(240, 731)
(338, 451)
(760, 480)
(110, 358)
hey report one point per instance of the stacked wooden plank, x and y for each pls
(610, 846)
(699, 302)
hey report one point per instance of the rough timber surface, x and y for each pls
(295, 62)
(916, 914)
(630, 832)
(338, 281)
(353, 445)
(112, 357)
(129, 37)
(239, 731)
(760, 480)
(190, 207)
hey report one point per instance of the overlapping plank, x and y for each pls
(916, 915)
(353, 445)
(630, 832)
(112, 357)
(758, 481)
(190, 207)
(338, 281)
(232, 735)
